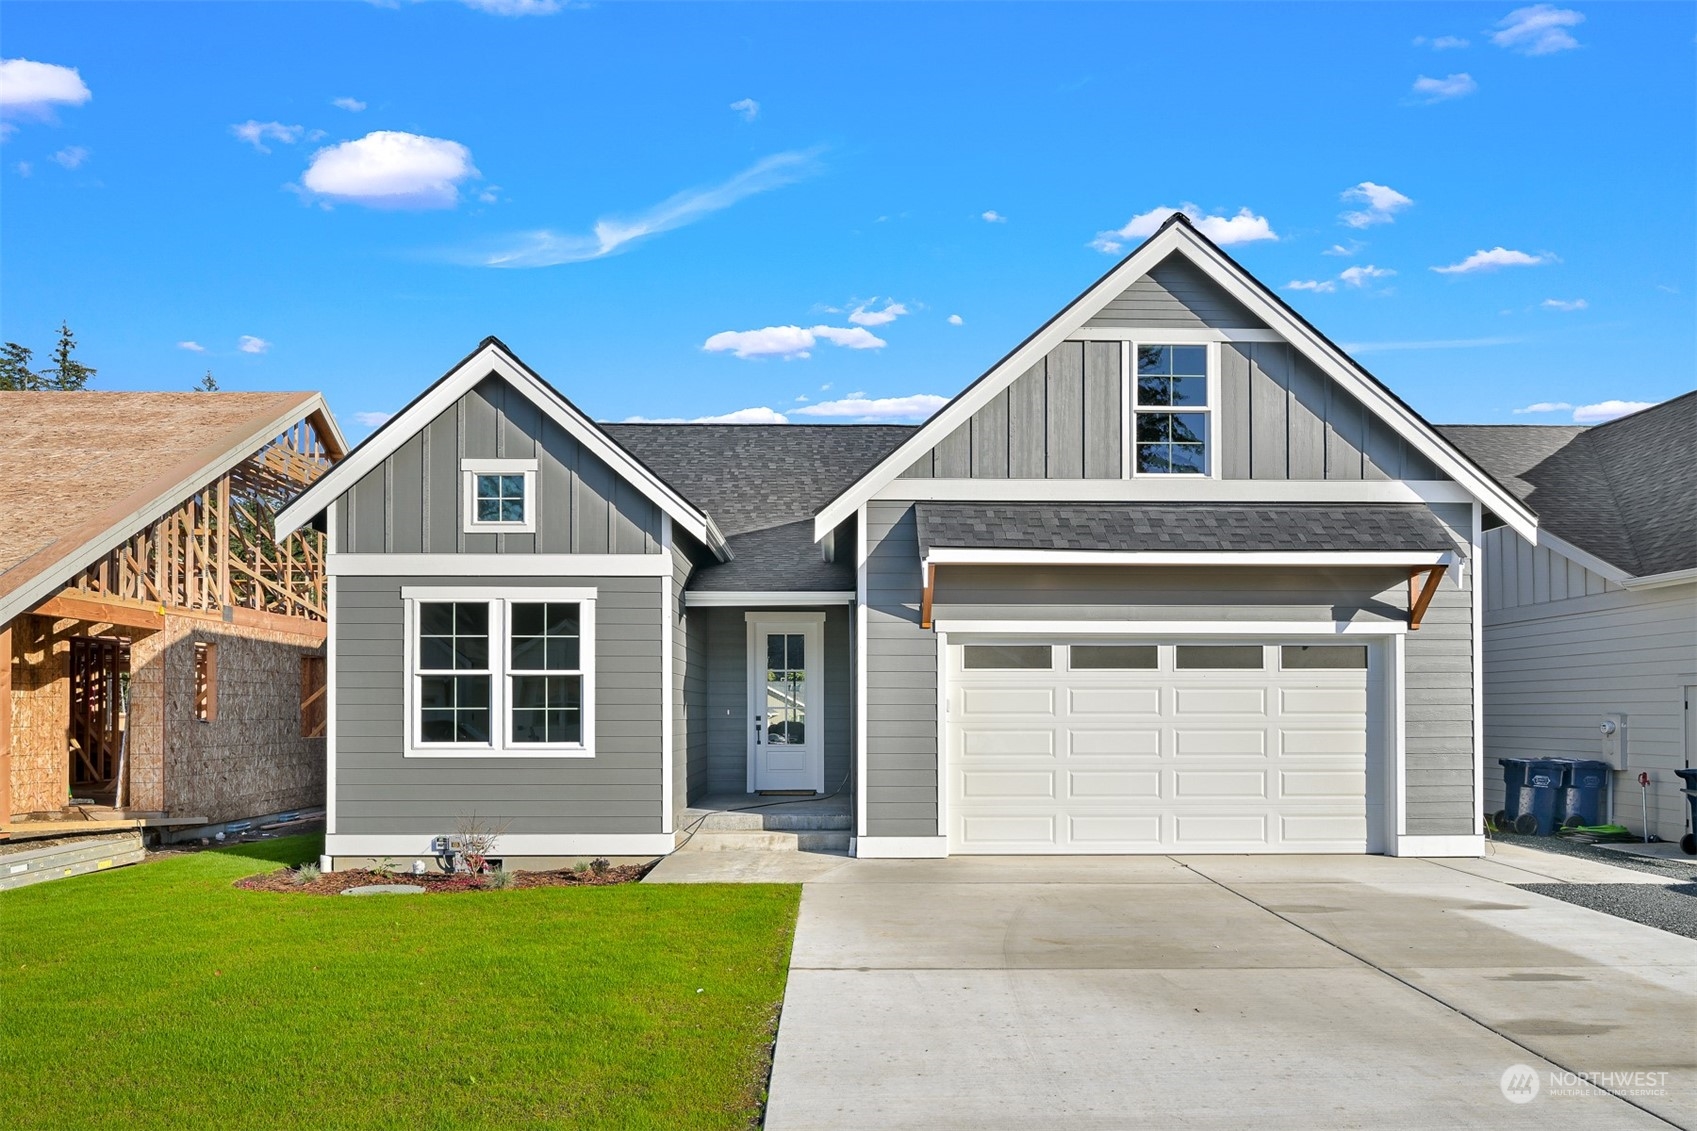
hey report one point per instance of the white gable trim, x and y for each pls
(1607, 570)
(1180, 237)
(493, 360)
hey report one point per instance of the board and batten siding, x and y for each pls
(729, 724)
(1563, 648)
(380, 791)
(412, 503)
(901, 657)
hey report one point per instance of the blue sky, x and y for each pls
(662, 208)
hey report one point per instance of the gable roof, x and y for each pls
(82, 472)
(1178, 235)
(492, 357)
(763, 483)
(1625, 491)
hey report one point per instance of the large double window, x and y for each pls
(1170, 410)
(510, 674)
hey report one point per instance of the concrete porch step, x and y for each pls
(769, 820)
(766, 840)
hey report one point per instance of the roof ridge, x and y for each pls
(1648, 409)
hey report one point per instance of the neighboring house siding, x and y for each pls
(1279, 417)
(378, 790)
(901, 740)
(412, 503)
(1176, 293)
(1563, 648)
(728, 722)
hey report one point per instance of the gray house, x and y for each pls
(1175, 575)
(1594, 619)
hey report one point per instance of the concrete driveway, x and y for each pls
(1229, 992)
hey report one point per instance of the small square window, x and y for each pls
(500, 495)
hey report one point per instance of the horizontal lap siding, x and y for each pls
(1553, 669)
(378, 790)
(901, 681)
(412, 503)
(1176, 293)
(1439, 715)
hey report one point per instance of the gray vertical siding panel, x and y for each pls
(901, 674)
(695, 702)
(954, 454)
(1346, 424)
(1232, 417)
(1102, 410)
(556, 456)
(1307, 419)
(632, 516)
(990, 439)
(519, 425)
(378, 790)
(920, 468)
(442, 464)
(406, 497)
(1027, 428)
(480, 430)
(728, 724)
(1065, 425)
(1268, 411)
(369, 517)
(1382, 451)
(1175, 293)
(592, 505)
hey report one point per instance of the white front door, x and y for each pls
(786, 700)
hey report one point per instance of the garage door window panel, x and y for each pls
(1219, 657)
(1008, 657)
(1115, 657)
(1323, 657)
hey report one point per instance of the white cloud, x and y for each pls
(761, 415)
(391, 169)
(1245, 227)
(789, 342)
(864, 317)
(1362, 275)
(247, 343)
(31, 86)
(1538, 30)
(1318, 286)
(1543, 406)
(547, 248)
(1441, 43)
(192, 347)
(1340, 249)
(1483, 260)
(993, 217)
(1382, 203)
(1564, 304)
(857, 405)
(25, 169)
(257, 134)
(372, 419)
(803, 399)
(1608, 410)
(515, 7)
(71, 156)
(1441, 90)
(352, 106)
(747, 107)
(956, 320)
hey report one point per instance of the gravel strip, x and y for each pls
(1675, 868)
(1672, 908)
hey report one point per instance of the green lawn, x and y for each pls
(160, 996)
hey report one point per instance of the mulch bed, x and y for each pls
(331, 883)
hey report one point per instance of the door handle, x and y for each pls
(757, 730)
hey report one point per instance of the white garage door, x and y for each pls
(1136, 746)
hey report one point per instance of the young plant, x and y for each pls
(600, 865)
(384, 869)
(479, 838)
(307, 873)
(500, 880)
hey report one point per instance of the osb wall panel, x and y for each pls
(251, 759)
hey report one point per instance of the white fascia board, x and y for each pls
(418, 846)
(998, 377)
(1176, 336)
(1176, 489)
(51, 578)
(498, 565)
(491, 359)
(764, 599)
(1604, 569)
(945, 556)
(1178, 237)
(1658, 580)
(1232, 629)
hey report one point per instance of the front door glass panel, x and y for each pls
(786, 688)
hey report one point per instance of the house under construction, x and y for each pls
(164, 653)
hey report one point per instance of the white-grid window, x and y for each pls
(508, 674)
(1171, 409)
(500, 495)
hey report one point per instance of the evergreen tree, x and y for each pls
(67, 372)
(15, 374)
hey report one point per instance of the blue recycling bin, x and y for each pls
(1582, 791)
(1532, 790)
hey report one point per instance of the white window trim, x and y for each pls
(500, 645)
(1128, 427)
(470, 469)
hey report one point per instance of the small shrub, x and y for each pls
(580, 867)
(599, 865)
(384, 869)
(307, 873)
(499, 880)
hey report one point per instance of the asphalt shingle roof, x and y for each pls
(1625, 491)
(763, 483)
(1180, 526)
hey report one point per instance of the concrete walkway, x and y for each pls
(1219, 992)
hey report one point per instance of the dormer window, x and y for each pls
(500, 495)
(1171, 406)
